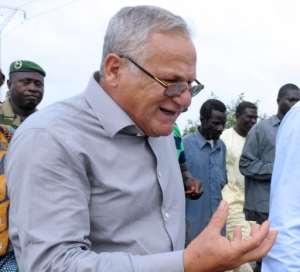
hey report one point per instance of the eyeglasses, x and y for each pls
(172, 89)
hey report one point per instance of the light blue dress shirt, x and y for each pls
(89, 192)
(285, 197)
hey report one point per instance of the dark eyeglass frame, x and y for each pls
(171, 89)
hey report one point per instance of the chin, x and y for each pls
(29, 106)
(159, 132)
(215, 138)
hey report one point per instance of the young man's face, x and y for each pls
(26, 89)
(171, 58)
(247, 119)
(213, 127)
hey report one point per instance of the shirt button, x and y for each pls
(159, 174)
(166, 215)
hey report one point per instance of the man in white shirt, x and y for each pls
(234, 191)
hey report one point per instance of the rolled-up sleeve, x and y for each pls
(49, 189)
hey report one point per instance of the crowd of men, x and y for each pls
(94, 183)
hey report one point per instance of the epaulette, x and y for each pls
(7, 120)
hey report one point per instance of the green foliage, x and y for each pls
(230, 109)
(190, 127)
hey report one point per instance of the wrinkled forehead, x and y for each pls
(26, 75)
(173, 49)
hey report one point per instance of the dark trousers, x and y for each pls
(259, 218)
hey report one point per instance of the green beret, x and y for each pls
(26, 66)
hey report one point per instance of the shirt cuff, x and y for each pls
(170, 261)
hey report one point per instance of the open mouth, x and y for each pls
(169, 112)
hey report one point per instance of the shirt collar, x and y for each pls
(202, 141)
(275, 121)
(111, 116)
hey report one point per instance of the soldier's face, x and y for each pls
(26, 89)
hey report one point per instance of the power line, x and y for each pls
(42, 13)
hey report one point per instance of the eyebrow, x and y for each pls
(177, 78)
(30, 78)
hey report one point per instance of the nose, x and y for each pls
(253, 121)
(33, 88)
(220, 128)
(184, 99)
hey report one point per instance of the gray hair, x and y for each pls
(129, 29)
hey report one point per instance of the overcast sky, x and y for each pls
(243, 46)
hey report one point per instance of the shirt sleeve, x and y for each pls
(251, 164)
(49, 189)
(284, 199)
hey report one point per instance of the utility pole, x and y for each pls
(13, 11)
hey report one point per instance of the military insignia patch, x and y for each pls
(18, 65)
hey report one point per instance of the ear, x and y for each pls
(112, 65)
(278, 101)
(8, 82)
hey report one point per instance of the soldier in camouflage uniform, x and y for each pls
(25, 92)
(26, 89)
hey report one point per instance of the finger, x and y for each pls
(237, 233)
(193, 185)
(254, 229)
(193, 195)
(219, 218)
(259, 233)
(197, 187)
(263, 249)
(188, 191)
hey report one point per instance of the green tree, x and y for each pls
(191, 126)
(230, 109)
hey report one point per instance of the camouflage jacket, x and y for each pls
(7, 117)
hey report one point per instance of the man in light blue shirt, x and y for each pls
(285, 197)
